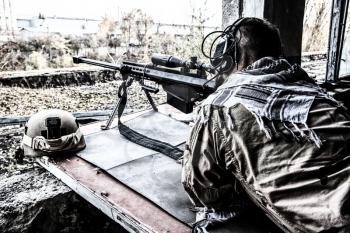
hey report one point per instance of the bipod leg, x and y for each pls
(112, 116)
(150, 100)
(120, 106)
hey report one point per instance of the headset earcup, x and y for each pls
(226, 63)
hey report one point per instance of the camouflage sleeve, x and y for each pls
(204, 173)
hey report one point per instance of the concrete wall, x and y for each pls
(316, 25)
(230, 12)
(287, 15)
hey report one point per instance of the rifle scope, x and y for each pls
(174, 62)
(167, 60)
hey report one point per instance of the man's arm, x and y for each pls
(204, 174)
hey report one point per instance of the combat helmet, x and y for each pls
(52, 132)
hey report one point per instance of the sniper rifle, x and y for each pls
(177, 77)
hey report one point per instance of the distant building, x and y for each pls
(179, 29)
(57, 25)
(42, 25)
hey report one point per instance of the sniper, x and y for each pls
(269, 135)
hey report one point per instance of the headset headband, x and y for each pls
(235, 25)
(239, 22)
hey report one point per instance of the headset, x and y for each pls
(228, 44)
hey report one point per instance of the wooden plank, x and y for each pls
(134, 212)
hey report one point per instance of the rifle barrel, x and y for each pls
(112, 66)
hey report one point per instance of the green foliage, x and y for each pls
(113, 42)
(34, 53)
(135, 27)
(107, 26)
(52, 51)
(135, 43)
(11, 57)
(36, 60)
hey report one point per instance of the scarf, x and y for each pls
(271, 90)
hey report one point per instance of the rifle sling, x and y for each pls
(150, 143)
(140, 139)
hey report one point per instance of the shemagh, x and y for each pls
(272, 90)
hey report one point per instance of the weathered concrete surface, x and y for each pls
(35, 201)
(345, 60)
(231, 11)
(316, 25)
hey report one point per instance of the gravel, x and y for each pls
(18, 101)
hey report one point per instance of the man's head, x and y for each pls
(251, 39)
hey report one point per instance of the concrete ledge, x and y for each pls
(56, 78)
(35, 201)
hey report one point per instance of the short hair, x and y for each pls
(259, 38)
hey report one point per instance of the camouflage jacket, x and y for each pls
(301, 186)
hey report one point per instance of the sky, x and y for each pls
(165, 11)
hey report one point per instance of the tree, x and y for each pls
(107, 26)
(190, 45)
(135, 26)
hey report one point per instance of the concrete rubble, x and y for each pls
(34, 201)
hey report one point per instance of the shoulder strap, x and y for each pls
(140, 139)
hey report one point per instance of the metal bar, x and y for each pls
(336, 39)
(240, 8)
(112, 116)
(16, 120)
(112, 66)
